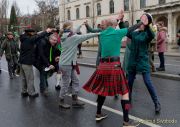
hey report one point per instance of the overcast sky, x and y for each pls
(24, 5)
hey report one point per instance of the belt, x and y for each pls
(110, 59)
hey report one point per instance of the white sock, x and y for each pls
(58, 79)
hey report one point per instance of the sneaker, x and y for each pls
(160, 69)
(58, 87)
(62, 104)
(100, 117)
(34, 95)
(45, 93)
(77, 104)
(11, 77)
(24, 94)
(131, 123)
(157, 108)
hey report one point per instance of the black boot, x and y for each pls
(126, 105)
(157, 108)
(76, 102)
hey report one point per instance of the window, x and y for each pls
(162, 1)
(111, 6)
(126, 5)
(77, 13)
(142, 4)
(98, 9)
(87, 11)
(69, 15)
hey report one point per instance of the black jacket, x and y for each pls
(43, 56)
(27, 48)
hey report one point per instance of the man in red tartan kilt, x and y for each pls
(109, 78)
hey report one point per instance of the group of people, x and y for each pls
(50, 52)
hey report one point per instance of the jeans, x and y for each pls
(148, 83)
(162, 60)
(43, 80)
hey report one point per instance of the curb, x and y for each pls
(155, 74)
(156, 53)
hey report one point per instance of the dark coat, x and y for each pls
(43, 54)
(27, 48)
(10, 47)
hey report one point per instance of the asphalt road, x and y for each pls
(44, 111)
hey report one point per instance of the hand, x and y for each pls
(57, 59)
(48, 30)
(51, 67)
(121, 15)
(144, 20)
(86, 22)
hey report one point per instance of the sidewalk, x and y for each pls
(94, 49)
(172, 63)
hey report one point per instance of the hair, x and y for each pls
(50, 25)
(111, 22)
(126, 24)
(67, 25)
(161, 23)
(53, 36)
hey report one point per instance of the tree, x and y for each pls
(3, 15)
(17, 9)
(13, 20)
(49, 11)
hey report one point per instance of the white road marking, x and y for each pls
(114, 111)
(120, 113)
(4, 70)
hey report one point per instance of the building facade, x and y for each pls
(96, 10)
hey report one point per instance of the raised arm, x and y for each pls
(150, 33)
(82, 38)
(77, 30)
(41, 35)
(91, 30)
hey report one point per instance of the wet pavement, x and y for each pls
(16, 111)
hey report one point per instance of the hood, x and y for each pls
(163, 29)
(65, 35)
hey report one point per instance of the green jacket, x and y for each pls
(10, 47)
(138, 59)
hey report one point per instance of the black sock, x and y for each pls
(100, 102)
(125, 106)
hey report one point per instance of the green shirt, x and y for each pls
(110, 40)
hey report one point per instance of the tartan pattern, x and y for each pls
(108, 80)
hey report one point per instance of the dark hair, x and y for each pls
(50, 25)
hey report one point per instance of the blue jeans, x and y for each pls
(43, 81)
(148, 83)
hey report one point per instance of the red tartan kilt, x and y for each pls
(108, 80)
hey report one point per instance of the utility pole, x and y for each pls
(93, 16)
(132, 11)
